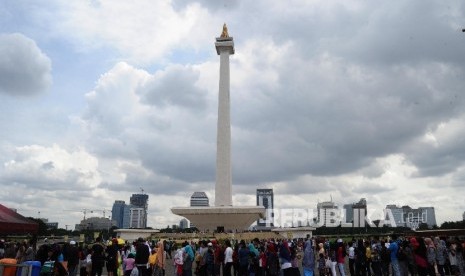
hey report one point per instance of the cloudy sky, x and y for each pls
(344, 99)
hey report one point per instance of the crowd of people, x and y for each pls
(284, 257)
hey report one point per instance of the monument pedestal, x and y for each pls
(227, 218)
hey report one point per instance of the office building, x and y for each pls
(95, 223)
(120, 213)
(407, 216)
(199, 199)
(137, 217)
(327, 213)
(183, 224)
(265, 199)
(139, 201)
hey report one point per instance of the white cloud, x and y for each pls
(344, 98)
(24, 69)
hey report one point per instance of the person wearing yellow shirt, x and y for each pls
(152, 259)
(368, 256)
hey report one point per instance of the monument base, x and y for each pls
(224, 218)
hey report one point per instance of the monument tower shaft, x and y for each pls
(223, 188)
(223, 216)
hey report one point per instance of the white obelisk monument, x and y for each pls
(223, 215)
(223, 188)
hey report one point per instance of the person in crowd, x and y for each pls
(368, 257)
(253, 257)
(308, 261)
(82, 253)
(321, 265)
(376, 258)
(210, 259)
(72, 256)
(285, 257)
(454, 270)
(188, 259)
(20, 252)
(393, 249)
(360, 259)
(29, 254)
(430, 256)
(420, 253)
(332, 258)
(129, 263)
(261, 261)
(98, 257)
(142, 257)
(218, 251)
(441, 255)
(294, 263)
(152, 260)
(272, 260)
(228, 258)
(167, 248)
(112, 256)
(408, 250)
(460, 255)
(352, 258)
(243, 255)
(340, 256)
(402, 258)
(178, 261)
(161, 259)
(2, 248)
(385, 258)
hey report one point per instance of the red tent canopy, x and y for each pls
(14, 223)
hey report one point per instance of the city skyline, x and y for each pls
(350, 99)
(401, 217)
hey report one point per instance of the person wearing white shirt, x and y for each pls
(228, 258)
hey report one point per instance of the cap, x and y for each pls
(339, 240)
(72, 242)
(210, 244)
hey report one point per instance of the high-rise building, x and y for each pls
(199, 199)
(139, 201)
(95, 223)
(265, 199)
(397, 215)
(409, 217)
(349, 212)
(120, 213)
(327, 213)
(136, 217)
(183, 224)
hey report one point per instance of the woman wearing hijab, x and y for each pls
(187, 260)
(285, 256)
(420, 253)
(178, 261)
(308, 262)
(430, 256)
(160, 260)
(441, 255)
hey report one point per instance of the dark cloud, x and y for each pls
(24, 69)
